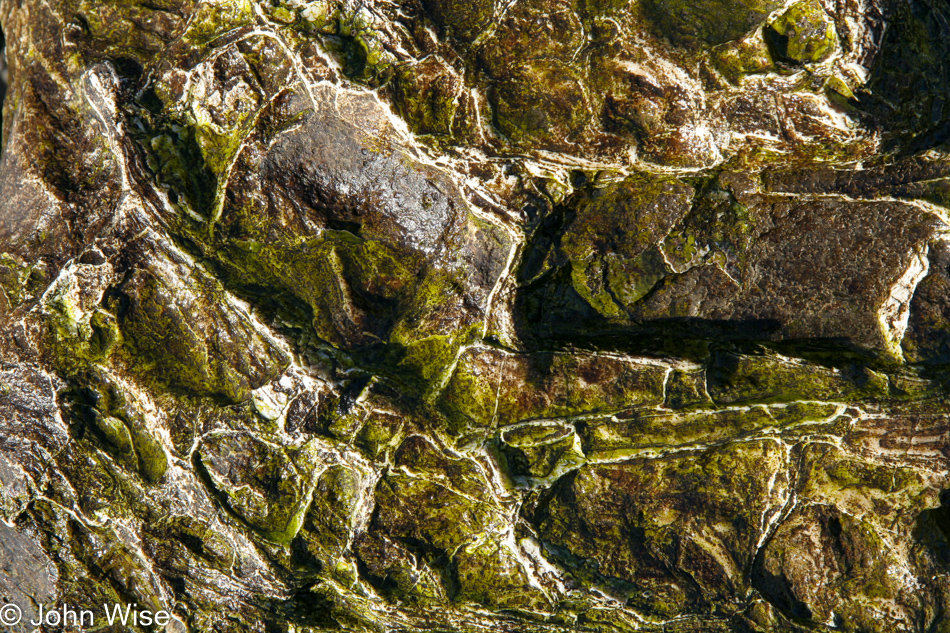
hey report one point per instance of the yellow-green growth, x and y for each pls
(742, 57)
(215, 18)
(804, 33)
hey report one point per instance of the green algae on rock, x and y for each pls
(708, 22)
(803, 34)
(266, 485)
(583, 316)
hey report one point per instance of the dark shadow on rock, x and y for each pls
(829, 352)
(550, 313)
(909, 88)
(933, 530)
(3, 75)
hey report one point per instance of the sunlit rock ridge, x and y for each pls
(477, 315)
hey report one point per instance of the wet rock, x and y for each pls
(863, 583)
(668, 534)
(198, 537)
(804, 33)
(711, 23)
(27, 576)
(381, 434)
(555, 314)
(268, 486)
(486, 387)
(112, 414)
(536, 450)
(199, 340)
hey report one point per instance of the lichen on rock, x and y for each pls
(580, 316)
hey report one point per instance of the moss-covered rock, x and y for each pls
(464, 20)
(215, 19)
(113, 414)
(670, 535)
(685, 388)
(199, 537)
(193, 130)
(562, 315)
(486, 387)
(323, 541)
(709, 22)
(735, 378)
(353, 286)
(541, 104)
(453, 551)
(19, 281)
(859, 572)
(453, 493)
(428, 97)
(639, 430)
(742, 57)
(381, 434)
(724, 268)
(491, 574)
(115, 433)
(611, 244)
(131, 29)
(267, 485)
(377, 280)
(608, 250)
(803, 34)
(536, 450)
(79, 333)
(193, 337)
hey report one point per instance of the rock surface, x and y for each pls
(444, 315)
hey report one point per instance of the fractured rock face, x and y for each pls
(804, 33)
(473, 316)
(670, 534)
(751, 258)
(266, 485)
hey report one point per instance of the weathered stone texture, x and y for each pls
(445, 315)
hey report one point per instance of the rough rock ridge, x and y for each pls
(477, 315)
